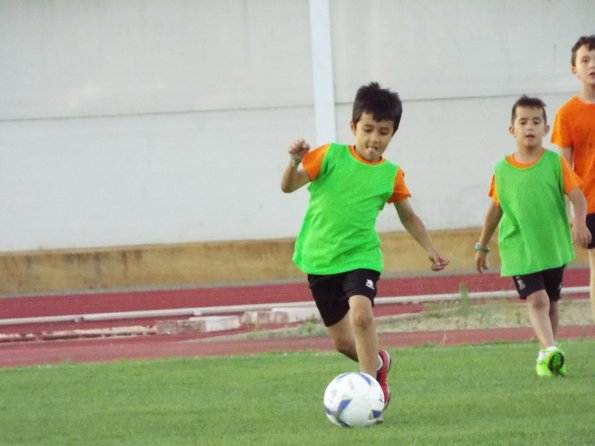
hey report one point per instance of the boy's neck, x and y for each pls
(527, 155)
(587, 94)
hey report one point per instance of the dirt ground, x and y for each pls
(443, 316)
(494, 314)
(440, 324)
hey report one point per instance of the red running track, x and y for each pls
(117, 301)
(123, 301)
(153, 346)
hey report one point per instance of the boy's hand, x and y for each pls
(293, 177)
(581, 236)
(298, 149)
(481, 261)
(438, 262)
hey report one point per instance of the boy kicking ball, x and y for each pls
(338, 246)
(535, 239)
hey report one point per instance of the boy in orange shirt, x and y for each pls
(574, 133)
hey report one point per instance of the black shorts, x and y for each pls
(591, 226)
(549, 280)
(332, 292)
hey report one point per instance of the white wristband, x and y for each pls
(479, 248)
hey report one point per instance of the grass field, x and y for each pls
(469, 395)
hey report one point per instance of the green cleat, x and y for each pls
(563, 368)
(542, 368)
(556, 362)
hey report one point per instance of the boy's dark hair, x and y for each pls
(381, 103)
(584, 40)
(526, 101)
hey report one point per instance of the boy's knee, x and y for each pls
(362, 320)
(539, 300)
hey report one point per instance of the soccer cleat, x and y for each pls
(563, 368)
(382, 375)
(555, 362)
(542, 368)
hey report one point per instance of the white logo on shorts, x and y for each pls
(370, 283)
(520, 283)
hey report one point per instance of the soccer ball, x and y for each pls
(354, 399)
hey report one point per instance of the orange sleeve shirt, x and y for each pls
(570, 180)
(312, 163)
(574, 127)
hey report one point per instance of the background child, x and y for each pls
(534, 239)
(574, 133)
(338, 246)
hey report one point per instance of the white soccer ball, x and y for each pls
(354, 399)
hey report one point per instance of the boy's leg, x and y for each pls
(552, 279)
(355, 335)
(327, 291)
(554, 317)
(550, 360)
(341, 334)
(364, 332)
(363, 344)
(542, 292)
(345, 302)
(556, 362)
(560, 368)
(538, 304)
(372, 361)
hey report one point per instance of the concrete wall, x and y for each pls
(135, 122)
(213, 263)
(138, 123)
(208, 263)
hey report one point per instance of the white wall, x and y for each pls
(131, 122)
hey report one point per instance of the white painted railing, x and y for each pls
(203, 311)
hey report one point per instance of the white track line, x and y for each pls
(203, 311)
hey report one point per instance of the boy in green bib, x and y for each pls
(535, 239)
(338, 246)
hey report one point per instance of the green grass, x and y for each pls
(470, 395)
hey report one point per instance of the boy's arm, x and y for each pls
(491, 221)
(566, 152)
(418, 231)
(293, 177)
(581, 236)
(561, 135)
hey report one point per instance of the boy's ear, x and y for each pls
(547, 129)
(511, 130)
(352, 127)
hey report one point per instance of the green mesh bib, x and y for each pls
(534, 232)
(338, 233)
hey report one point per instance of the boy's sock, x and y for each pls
(541, 355)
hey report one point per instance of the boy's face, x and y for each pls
(584, 67)
(372, 137)
(529, 127)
